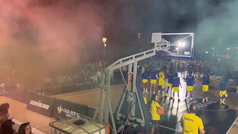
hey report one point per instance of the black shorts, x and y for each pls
(155, 122)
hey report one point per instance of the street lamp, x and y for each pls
(138, 35)
(206, 52)
(104, 40)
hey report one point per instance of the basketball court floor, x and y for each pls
(224, 118)
(212, 113)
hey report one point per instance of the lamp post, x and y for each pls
(104, 40)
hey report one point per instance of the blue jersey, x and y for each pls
(237, 80)
(145, 75)
(222, 86)
(205, 80)
(153, 75)
(170, 78)
(189, 80)
(175, 81)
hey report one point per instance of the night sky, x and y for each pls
(210, 20)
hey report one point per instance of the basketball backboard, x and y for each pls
(178, 44)
(156, 37)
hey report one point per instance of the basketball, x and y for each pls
(160, 111)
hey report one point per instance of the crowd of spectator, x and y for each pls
(84, 75)
(87, 74)
(198, 67)
(90, 73)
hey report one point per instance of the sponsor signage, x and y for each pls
(64, 109)
(41, 104)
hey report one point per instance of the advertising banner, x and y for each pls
(64, 109)
(40, 104)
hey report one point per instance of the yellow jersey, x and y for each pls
(161, 75)
(191, 123)
(154, 106)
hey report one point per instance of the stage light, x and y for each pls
(183, 44)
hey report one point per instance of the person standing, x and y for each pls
(190, 81)
(192, 123)
(205, 87)
(145, 81)
(155, 116)
(161, 83)
(169, 85)
(222, 92)
(153, 80)
(176, 83)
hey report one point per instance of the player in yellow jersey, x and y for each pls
(161, 83)
(153, 80)
(192, 123)
(145, 84)
(154, 115)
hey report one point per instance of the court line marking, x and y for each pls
(170, 128)
(216, 110)
(77, 92)
(81, 92)
(232, 125)
(90, 91)
(71, 96)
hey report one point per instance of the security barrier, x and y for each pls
(56, 108)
